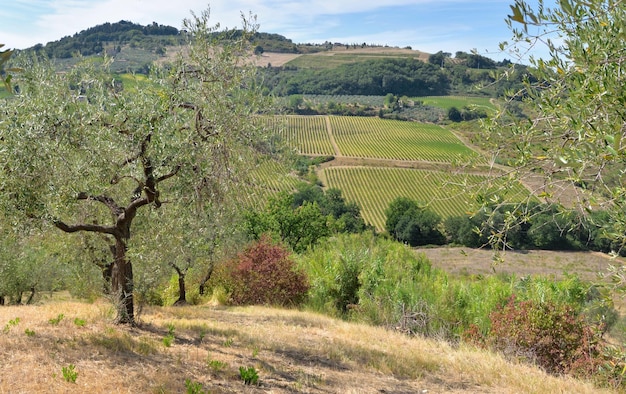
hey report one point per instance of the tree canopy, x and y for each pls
(83, 154)
(413, 224)
(400, 76)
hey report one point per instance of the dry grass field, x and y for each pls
(292, 351)
(467, 261)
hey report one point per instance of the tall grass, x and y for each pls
(370, 279)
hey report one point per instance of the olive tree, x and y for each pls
(572, 149)
(82, 153)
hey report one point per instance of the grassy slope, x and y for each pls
(446, 102)
(292, 351)
(340, 55)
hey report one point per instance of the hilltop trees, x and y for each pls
(399, 76)
(81, 154)
(90, 41)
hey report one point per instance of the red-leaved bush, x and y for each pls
(551, 335)
(266, 274)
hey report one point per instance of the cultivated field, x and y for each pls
(309, 135)
(397, 140)
(367, 137)
(377, 160)
(269, 178)
(340, 55)
(373, 188)
(447, 102)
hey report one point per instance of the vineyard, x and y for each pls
(446, 102)
(307, 134)
(373, 188)
(443, 102)
(269, 178)
(379, 147)
(366, 137)
(398, 140)
(325, 99)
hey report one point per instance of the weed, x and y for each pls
(304, 379)
(69, 373)
(217, 365)
(194, 387)
(169, 338)
(229, 342)
(255, 351)
(56, 320)
(80, 322)
(248, 375)
(11, 323)
(29, 333)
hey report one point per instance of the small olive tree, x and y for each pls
(81, 153)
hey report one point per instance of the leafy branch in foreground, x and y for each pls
(572, 150)
(5, 55)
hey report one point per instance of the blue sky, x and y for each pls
(425, 25)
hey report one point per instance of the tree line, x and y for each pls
(397, 76)
(545, 226)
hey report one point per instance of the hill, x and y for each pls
(290, 66)
(291, 351)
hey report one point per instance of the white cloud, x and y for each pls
(48, 20)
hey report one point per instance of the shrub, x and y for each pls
(552, 335)
(69, 373)
(266, 274)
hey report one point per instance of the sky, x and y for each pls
(425, 25)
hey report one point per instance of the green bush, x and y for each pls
(557, 324)
(249, 375)
(413, 224)
(382, 282)
(69, 373)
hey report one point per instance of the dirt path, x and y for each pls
(353, 161)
